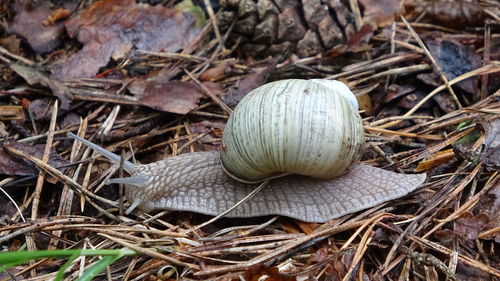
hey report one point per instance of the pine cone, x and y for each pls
(303, 27)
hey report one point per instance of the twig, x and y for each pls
(433, 61)
(215, 98)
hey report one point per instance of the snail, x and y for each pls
(305, 135)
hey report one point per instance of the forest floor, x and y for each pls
(150, 81)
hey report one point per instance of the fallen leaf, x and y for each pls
(381, 12)
(395, 91)
(454, 59)
(241, 88)
(12, 165)
(39, 109)
(470, 225)
(12, 44)
(28, 23)
(435, 160)
(489, 204)
(172, 96)
(359, 40)
(111, 28)
(7, 210)
(491, 145)
(218, 71)
(71, 119)
(467, 272)
(455, 14)
(33, 76)
(412, 99)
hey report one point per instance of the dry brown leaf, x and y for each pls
(33, 76)
(469, 225)
(172, 96)
(435, 160)
(28, 23)
(233, 96)
(12, 44)
(455, 14)
(111, 28)
(218, 71)
(11, 165)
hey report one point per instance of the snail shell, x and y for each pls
(293, 126)
(199, 182)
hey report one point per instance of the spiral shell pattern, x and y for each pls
(293, 127)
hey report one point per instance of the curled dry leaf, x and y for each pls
(435, 160)
(28, 21)
(111, 28)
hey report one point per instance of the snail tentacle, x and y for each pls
(127, 165)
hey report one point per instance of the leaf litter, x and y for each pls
(110, 29)
(150, 103)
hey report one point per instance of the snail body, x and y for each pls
(279, 130)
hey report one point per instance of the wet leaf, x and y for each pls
(28, 23)
(470, 225)
(381, 12)
(33, 76)
(111, 28)
(12, 165)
